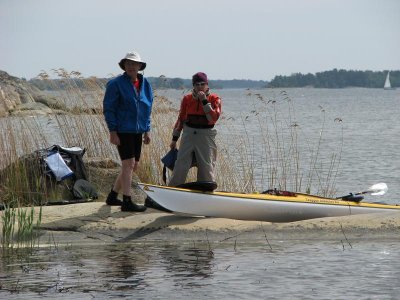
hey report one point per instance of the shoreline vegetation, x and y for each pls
(336, 79)
(328, 79)
(74, 117)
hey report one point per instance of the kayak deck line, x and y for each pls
(297, 198)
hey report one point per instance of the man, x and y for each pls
(127, 108)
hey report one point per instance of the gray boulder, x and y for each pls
(20, 98)
(14, 92)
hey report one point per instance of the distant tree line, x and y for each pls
(327, 79)
(179, 83)
(337, 79)
(156, 82)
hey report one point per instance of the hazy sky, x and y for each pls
(227, 39)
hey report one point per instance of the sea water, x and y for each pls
(359, 128)
(368, 123)
(279, 269)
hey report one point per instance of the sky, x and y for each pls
(227, 39)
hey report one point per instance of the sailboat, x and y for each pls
(387, 85)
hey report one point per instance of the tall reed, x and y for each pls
(267, 148)
(247, 162)
(80, 125)
(19, 228)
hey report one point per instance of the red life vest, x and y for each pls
(192, 108)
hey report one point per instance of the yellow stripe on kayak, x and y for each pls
(299, 198)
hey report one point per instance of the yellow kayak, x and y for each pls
(270, 207)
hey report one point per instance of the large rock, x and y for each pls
(31, 108)
(14, 92)
(96, 223)
(19, 98)
(25, 181)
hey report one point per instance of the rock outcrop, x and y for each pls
(19, 97)
(26, 180)
(14, 92)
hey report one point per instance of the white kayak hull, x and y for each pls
(257, 207)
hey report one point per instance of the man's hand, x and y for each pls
(114, 138)
(173, 145)
(146, 138)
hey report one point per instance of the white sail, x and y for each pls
(387, 82)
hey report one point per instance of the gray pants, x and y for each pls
(201, 143)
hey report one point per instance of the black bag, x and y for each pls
(73, 157)
(83, 189)
(169, 162)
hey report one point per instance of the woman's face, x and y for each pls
(132, 67)
(201, 86)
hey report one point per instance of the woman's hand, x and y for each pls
(114, 138)
(202, 96)
(173, 145)
(146, 138)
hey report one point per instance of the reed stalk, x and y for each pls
(272, 152)
(19, 229)
(267, 143)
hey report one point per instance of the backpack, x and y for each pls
(60, 163)
(83, 189)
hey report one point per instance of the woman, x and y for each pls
(198, 114)
(127, 107)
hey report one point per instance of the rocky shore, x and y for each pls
(21, 98)
(96, 223)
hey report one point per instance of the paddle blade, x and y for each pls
(378, 189)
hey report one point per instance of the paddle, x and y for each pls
(378, 189)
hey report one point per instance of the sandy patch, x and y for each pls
(98, 223)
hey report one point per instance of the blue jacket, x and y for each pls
(124, 109)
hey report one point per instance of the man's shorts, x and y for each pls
(130, 145)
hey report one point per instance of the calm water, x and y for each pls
(366, 121)
(291, 270)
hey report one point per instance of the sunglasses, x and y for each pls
(200, 84)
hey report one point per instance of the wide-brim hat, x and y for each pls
(134, 56)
